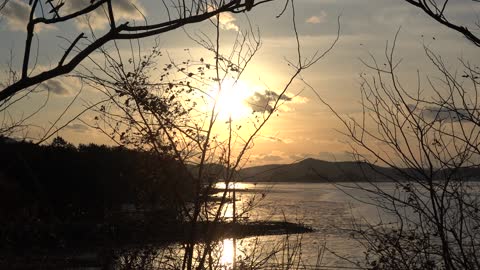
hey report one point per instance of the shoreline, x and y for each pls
(89, 251)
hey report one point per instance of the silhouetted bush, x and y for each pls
(47, 187)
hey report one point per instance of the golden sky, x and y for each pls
(304, 126)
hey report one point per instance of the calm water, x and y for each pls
(327, 208)
(324, 207)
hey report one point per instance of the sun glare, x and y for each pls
(231, 101)
(228, 254)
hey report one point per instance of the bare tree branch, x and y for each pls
(123, 31)
(437, 12)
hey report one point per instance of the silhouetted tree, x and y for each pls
(429, 218)
(61, 143)
(177, 113)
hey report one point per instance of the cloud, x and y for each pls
(299, 100)
(57, 87)
(277, 139)
(227, 21)
(124, 10)
(273, 157)
(264, 101)
(435, 113)
(317, 19)
(323, 155)
(16, 13)
(299, 156)
(80, 128)
(279, 157)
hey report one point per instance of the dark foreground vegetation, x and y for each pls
(104, 249)
(58, 194)
(60, 199)
(60, 183)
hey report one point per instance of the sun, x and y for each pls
(231, 99)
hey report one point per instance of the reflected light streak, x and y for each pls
(237, 185)
(228, 211)
(228, 254)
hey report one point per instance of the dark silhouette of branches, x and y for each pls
(178, 114)
(430, 137)
(188, 13)
(437, 10)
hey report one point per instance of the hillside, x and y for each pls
(313, 170)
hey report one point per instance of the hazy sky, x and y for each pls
(304, 128)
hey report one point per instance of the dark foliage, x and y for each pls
(59, 187)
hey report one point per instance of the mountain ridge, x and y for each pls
(315, 170)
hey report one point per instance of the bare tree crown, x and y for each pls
(179, 13)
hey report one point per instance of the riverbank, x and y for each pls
(83, 249)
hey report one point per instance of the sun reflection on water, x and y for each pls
(231, 185)
(228, 211)
(228, 252)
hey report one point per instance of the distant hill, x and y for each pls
(313, 170)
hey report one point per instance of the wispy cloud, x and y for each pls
(273, 157)
(16, 14)
(62, 86)
(227, 21)
(277, 139)
(299, 100)
(323, 155)
(264, 101)
(436, 113)
(76, 127)
(57, 87)
(123, 9)
(316, 19)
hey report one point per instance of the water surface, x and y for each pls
(322, 206)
